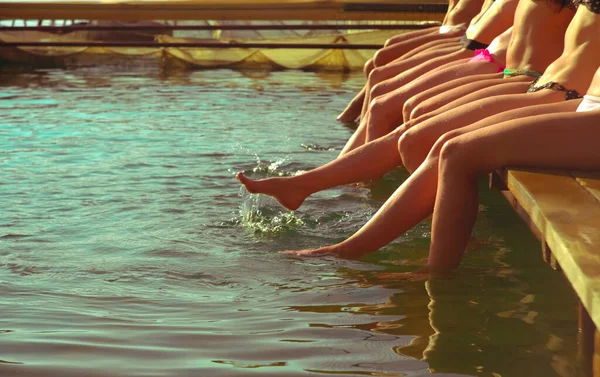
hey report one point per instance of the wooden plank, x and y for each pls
(210, 44)
(224, 10)
(568, 218)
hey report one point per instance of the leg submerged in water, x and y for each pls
(415, 199)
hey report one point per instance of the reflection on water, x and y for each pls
(128, 248)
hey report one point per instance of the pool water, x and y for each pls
(127, 248)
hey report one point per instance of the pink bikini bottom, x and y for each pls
(484, 55)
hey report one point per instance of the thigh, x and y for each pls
(432, 99)
(534, 141)
(448, 78)
(459, 73)
(411, 34)
(421, 69)
(493, 87)
(395, 68)
(439, 43)
(428, 131)
(406, 49)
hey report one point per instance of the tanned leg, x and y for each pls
(436, 44)
(415, 143)
(384, 113)
(366, 163)
(530, 142)
(380, 75)
(392, 52)
(414, 200)
(353, 109)
(450, 78)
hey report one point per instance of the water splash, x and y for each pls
(258, 216)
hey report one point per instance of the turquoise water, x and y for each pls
(127, 248)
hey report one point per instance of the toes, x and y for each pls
(247, 182)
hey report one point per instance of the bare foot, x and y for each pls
(288, 195)
(328, 250)
(421, 275)
(346, 117)
(353, 110)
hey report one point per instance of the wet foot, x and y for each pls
(352, 111)
(347, 117)
(286, 194)
(328, 250)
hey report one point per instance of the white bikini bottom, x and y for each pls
(589, 103)
(448, 28)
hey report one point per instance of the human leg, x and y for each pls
(531, 141)
(368, 162)
(394, 51)
(452, 98)
(410, 35)
(416, 142)
(434, 44)
(353, 109)
(414, 199)
(443, 81)
(386, 77)
(384, 111)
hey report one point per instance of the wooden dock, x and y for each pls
(138, 10)
(563, 210)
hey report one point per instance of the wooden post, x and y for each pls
(585, 338)
(596, 360)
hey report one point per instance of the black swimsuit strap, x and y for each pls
(552, 85)
(473, 45)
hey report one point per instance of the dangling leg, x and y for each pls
(387, 73)
(385, 112)
(368, 162)
(353, 109)
(529, 142)
(414, 199)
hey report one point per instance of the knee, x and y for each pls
(377, 91)
(454, 156)
(368, 67)
(408, 108)
(381, 57)
(389, 42)
(411, 149)
(442, 140)
(376, 76)
(378, 107)
(418, 110)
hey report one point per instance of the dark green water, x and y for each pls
(127, 248)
